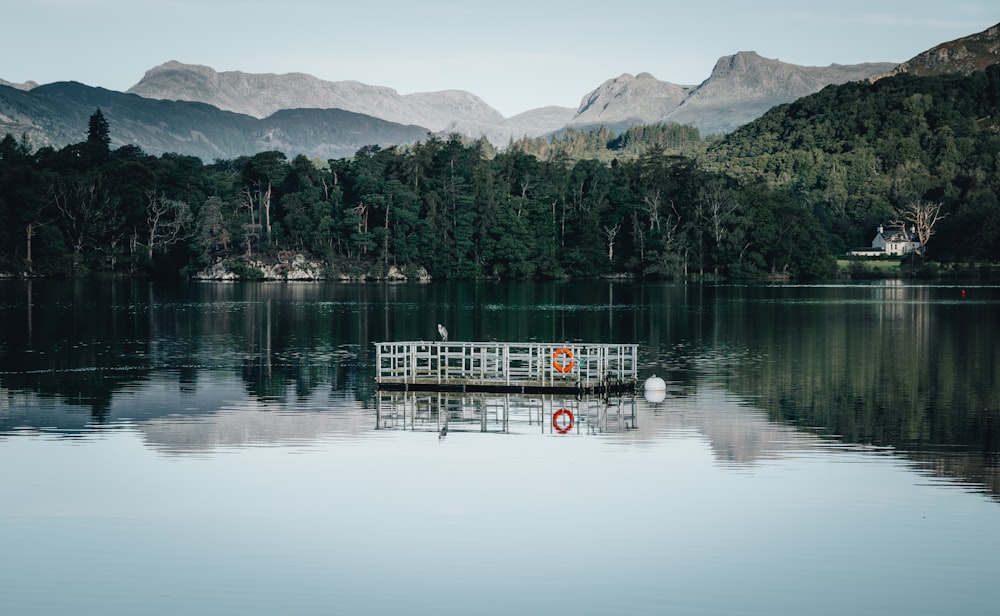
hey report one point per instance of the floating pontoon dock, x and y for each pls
(506, 367)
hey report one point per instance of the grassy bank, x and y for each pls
(870, 268)
(860, 269)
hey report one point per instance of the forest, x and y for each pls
(782, 197)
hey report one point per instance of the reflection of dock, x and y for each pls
(506, 367)
(505, 413)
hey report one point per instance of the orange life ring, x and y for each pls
(560, 366)
(555, 421)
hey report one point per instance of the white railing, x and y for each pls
(505, 363)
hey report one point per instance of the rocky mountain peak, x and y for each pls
(262, 94)
(628, 98)
(965, 55)
(174, 65)
(736, 63)
(26, 86)
(746, 73)
(749, 74)
(741, 87)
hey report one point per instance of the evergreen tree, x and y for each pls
(98, 135)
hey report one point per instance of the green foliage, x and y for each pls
(99, 133)
(860, 152)
(602, 144)
(771, 199)
(454, 208)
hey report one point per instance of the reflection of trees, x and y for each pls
(61, 344)
(905, 370)
(908, 367)
(94, 389)
(89, 340)
(86, 341)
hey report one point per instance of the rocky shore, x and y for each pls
(298, 267)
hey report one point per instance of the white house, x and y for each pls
(894, 241)
(897, 241)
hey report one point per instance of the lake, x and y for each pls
(223, 449)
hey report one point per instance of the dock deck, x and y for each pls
(506, 367)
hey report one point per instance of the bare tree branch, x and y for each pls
(922, 217)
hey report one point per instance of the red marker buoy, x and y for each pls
(963, 293)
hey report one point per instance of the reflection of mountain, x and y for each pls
(252, 423)
(178, 417)
(217, 412)
(737, 434)
(904, 367)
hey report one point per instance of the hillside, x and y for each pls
(744, 86)
(861, 151)
(964, 56)
(56, 115)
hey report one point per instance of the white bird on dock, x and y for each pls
(443, 332)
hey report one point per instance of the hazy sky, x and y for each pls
(514, 54)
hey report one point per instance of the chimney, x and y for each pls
(880, 230)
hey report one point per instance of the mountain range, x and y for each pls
(741, 87)
(194, 110)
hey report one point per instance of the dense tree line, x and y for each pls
(457, 209)
(778, 196)
(604, 144)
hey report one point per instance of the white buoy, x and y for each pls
(654, 389)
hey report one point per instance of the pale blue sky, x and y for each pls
(516, 55)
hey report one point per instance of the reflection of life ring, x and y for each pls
(555, 421)
(561, 366)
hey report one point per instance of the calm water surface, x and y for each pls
(221, 449)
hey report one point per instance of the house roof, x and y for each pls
(896, 233)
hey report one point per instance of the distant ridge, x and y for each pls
(964, 55)
(27, 85)
(193, 109)
(642, 99)
(260, 95)
(56, 115)
(740, 89)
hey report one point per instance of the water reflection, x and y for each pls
(179, 415)
(754, 370)
(217, 413)
(913, 368)
(446, 413)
